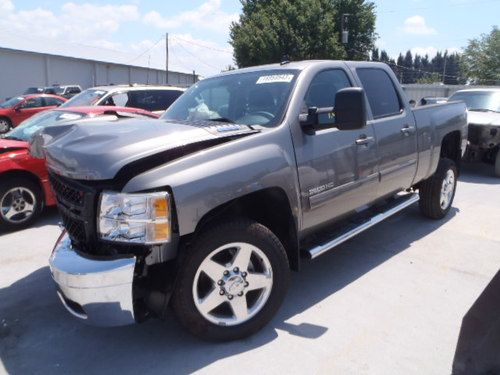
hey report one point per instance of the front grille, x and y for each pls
(77, 205)
(67, 193)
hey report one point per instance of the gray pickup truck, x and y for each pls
(249, 172)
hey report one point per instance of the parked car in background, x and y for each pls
(24, 187)
(484, 124)
(19, 108)
(66, 91)
(33, 90)
(151, 98)
(432, 100)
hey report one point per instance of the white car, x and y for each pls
(150, 98)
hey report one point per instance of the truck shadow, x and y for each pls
(478, 173)
(38, 336)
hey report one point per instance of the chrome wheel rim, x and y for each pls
(4, 126)
(17, 205)
(447, 188)
(232, 284)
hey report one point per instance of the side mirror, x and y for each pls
(350, 108)
(413, 103)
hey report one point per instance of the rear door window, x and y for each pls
(380, 91)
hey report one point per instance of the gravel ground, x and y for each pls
(390, 301)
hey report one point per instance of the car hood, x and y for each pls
(100, 150)
(7, 145)
(483, 118)
(4, 111)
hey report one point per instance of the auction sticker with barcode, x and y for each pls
(275, 78)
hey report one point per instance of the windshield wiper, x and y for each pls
(13, 138)
(221, 119)
(482, 110)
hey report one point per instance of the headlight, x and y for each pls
(135, 218)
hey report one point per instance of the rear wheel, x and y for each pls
(20, 203)
(5, 125)
(438, 191)
(232, 281)
(497, 163)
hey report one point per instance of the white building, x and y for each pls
(27, 63)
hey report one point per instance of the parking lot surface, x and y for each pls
(390, 301)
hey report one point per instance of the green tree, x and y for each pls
(308, 29)
(480, 61)
(429, 78)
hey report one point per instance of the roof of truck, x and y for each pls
(300, 65)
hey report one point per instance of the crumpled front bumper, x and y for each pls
(98, 292)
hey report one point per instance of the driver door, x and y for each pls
(27, 109)
(337, 169)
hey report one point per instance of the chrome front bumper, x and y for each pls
(98, 292)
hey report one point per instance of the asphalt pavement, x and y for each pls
(398, 299)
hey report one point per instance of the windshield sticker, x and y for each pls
(275, 78)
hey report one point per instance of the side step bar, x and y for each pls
(401, 204)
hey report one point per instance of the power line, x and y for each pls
(146, 51)
(202, 45)
(197, 58)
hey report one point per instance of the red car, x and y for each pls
(24, 185)
(17, 109)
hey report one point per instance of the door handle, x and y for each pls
(363, 140)
(407, 130)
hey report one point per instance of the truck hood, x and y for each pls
(99, 150)
(483, 118)
(7, 145)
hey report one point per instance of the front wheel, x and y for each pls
(438, 191)
(5, 125)
(232, 281)
(20, 203)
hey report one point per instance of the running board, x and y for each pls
(343, 236)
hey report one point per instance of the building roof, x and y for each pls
(36, 44)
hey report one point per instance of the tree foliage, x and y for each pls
(481, 59)
(308, 29)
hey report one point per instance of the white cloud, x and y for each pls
(418, 26)
(6, 6)
(87, 24)
(207, 16)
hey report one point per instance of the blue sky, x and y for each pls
(199, 30)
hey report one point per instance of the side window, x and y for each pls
(33, 103)
(322, 91)
(120, 99)
(380, 91)
(49, 102)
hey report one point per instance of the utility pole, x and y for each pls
(166, 58)
(444, 67)
(345, 27)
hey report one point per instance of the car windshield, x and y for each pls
(254, 98)
(479, 100)
(85, 98)
(27, 128)
(53, 90)
(11, 102)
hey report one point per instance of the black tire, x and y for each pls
(5, 125)
(30, 193)
(497, 163)
(215, 237)
(430, 191)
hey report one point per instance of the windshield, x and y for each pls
(53, 90)
(254, 98)
(85, 98)
(11, 102)
(479, 100)
(25, 131)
